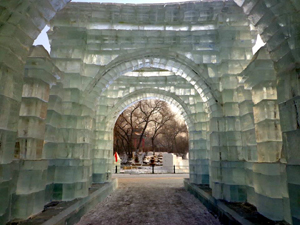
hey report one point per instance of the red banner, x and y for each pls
(116, 156)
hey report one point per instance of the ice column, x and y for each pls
(38, 79)
(227, 152)
(103, 151)
(199, 154)
(51, 147)
(266, 111)
(288, 88)
(12, 62)
(21, 22)
(29, 198)
(10, 96)
(72, 162)
(267, 176)
(249, 151)
(278, 24)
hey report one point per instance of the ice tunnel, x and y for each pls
(57, 111)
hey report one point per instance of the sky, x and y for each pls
(42, 39)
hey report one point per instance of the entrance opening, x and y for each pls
(151, 133)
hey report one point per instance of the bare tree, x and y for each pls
(159, 122)
(175, 137)
(123, 131)
(150, 111)
(153, 118)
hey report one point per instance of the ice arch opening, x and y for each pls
(195, 120)
(162, 131)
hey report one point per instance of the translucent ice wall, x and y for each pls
(21, 24)
(208, 33)
(76, 130)
(227, 129)
(110, 41)
(278, 24)
(31, 193)
(266, 176)
(100, 46)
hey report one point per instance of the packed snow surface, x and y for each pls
(150, 199)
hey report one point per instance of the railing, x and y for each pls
(131, 169)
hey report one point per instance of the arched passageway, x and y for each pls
(115, 104)
(206, 43)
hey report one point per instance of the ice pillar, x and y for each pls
(71, 161)
(29, 197)
(266, 176)
(199, 151)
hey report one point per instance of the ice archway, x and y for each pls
(195, 112)
(135, 97)
(278, 25)
(171, 61)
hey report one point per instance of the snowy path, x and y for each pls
(150, 199)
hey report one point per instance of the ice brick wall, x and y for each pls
(51, 145)
(38, 79)
(29, 197)
(21, 24)
(276, 21)
(100, 46)
(218, 51)
(278, 24)
(227, 173)
(266, 176)
(72, 176)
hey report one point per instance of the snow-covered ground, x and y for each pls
(148, 169)
(150, 199)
